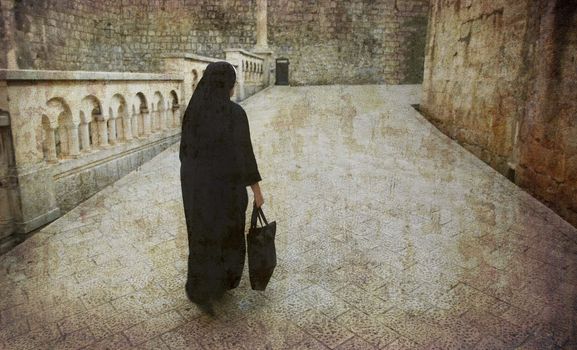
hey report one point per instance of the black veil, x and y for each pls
(207, 106)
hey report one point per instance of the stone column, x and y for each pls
(134, 122)
(158, 118)
(111, 131)
(241, 80)
(268, 66)
(102, 133)
(74, 146)
(163, 116)
(176, 116)
(146, 122)
(85, 137)
(6, 217)
(261, 24)
(63, 135)
(50, 145)
(127, 123)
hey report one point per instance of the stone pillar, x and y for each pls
(6, 217)
(127, 123)
(154, 118)
(241, 80)
(163, 116)
(102, 133)
(261, 24)
(111, 131)
(176, 115)
(50, 145)
(268, 66)
(85, 137)
(134, 122)
(146, 122)
(120, 133)
(74, 146)
(63, 134)
(157, 117)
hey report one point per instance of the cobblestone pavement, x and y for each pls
(389, 236)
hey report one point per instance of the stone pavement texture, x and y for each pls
(390, 236)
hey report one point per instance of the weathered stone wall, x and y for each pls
(349, 42)
(327, 41)
(474, 79)
(500, 79)
(202, 27)
(61, 35)
(127, 35)
(548, 137)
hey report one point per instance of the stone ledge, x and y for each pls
(244, 52)
(191, 56)
(25, 227)
(31, 74)
(98, 157)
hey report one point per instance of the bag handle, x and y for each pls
(254, 217)
(257, 213)
(262, 215)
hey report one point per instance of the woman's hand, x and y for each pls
(258, 199)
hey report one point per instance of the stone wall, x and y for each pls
(327, 41)
(60, 35)
(202, 27)
(127, 35)
(500, 79)
(349, 42)
(548, 137)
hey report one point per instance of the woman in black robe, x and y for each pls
(217, 163)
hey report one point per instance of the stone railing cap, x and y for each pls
(244, 52)
(190, 56)
(259, 50)
(32, 74)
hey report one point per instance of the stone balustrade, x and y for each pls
(65, 135)
(191, 67)
(252, 71)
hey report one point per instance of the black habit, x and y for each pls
(217, 164)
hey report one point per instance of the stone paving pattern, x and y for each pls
(390, 236)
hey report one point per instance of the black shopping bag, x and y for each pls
(261, 250)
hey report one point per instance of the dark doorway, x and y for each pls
(282, 71)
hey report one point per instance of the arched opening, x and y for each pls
(158, 112)
(61, 136)
(194, 79)
(175, 109)
(111, 127)
(121, 118)
(121, 121)
(48, 141)
(91, 132)
(95, 132)
(64, 136)
(142, 114)
(84, 136)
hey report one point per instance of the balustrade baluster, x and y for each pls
(85, 137)
(50, 145)
(74, 144)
